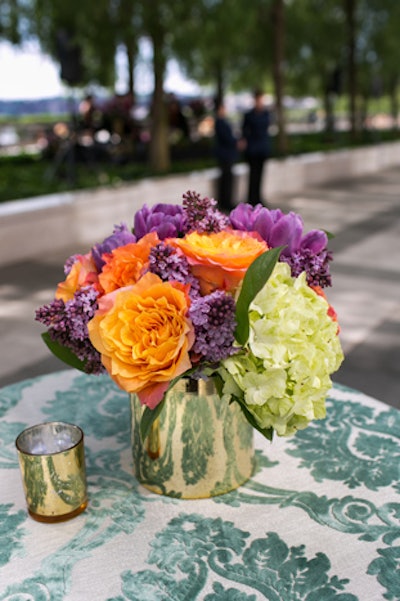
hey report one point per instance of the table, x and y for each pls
(319, 521)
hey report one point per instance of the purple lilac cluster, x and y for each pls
(169, 265)
(69, 263)
(316, 266)
(202, 215)
(167, 220)
(174, 221)
(67, 325)
(213, 318)
(303, 252)
(120, 236)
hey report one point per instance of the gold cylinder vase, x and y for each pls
(52, 461)
(200, 446)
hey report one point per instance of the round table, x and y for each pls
(319, 520)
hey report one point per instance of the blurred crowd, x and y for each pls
(118, 129)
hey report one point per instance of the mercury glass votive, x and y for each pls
(52, 461)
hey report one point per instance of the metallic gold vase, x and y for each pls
(200, 446)
(52, 461)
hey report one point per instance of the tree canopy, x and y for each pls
(323, 48)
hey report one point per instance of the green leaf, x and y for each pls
(329, 234)
(218, 383)
(255, 279)
(148, 418)
(267, 432)
(63, 353)
(150, 415)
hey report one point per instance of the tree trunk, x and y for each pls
(278, 29)
(350, 10)
(365, 101)
(394, 102)
(130, 55)
(159, 146)
(329, 113)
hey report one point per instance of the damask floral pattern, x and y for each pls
(339, 478)
(11, 533)
(193, 550)
(358, 446)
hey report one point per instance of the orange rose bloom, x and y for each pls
(144, 336)
(83, 273)
(125, 264)
(220, 260)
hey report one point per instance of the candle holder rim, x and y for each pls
(52, 423)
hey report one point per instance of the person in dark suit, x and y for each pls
(226, 151)
(256, 143)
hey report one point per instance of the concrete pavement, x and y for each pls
(364, 216)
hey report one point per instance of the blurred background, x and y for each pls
(95, 96)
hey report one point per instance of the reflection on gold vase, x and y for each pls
(200, 446)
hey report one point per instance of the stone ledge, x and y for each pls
(46, 224)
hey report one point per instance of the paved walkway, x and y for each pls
(364, 216)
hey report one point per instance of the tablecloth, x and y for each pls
(318, 521)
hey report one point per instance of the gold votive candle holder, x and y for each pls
(52, 461)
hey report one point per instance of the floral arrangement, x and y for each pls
(192, 292)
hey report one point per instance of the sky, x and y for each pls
(28, 74)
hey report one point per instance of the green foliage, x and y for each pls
(225, 43)
(256, 277)
(216, 57)
(63, 353)
(27, 176)
(268, 433)
(12, 15)
(148, 418)
(315, 45)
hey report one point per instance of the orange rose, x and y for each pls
(83, 273)
(220, 260)
(125, 264)
(144, 336)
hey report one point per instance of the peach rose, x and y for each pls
(83, 273)
(144, 336)
(220, 260)
(126, 264)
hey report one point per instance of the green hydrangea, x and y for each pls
(283, 373)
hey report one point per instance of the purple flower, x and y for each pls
(286, 232)
(276, 228)
(315, 241)
(169, 265)
(67, 325)
(202, 215)
(120, 236)
(165, 219)
(316, 266)
(69, 263)
(213, 318)
(302, 252)
(244, 216)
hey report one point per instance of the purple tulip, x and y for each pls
(287, 231)
(164, 219)
(276, 228)
(315, 240)
(244, 216)
(120, 236)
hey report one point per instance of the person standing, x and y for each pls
(256, 143)
(226, 151)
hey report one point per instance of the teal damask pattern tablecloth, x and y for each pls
(319, 521)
